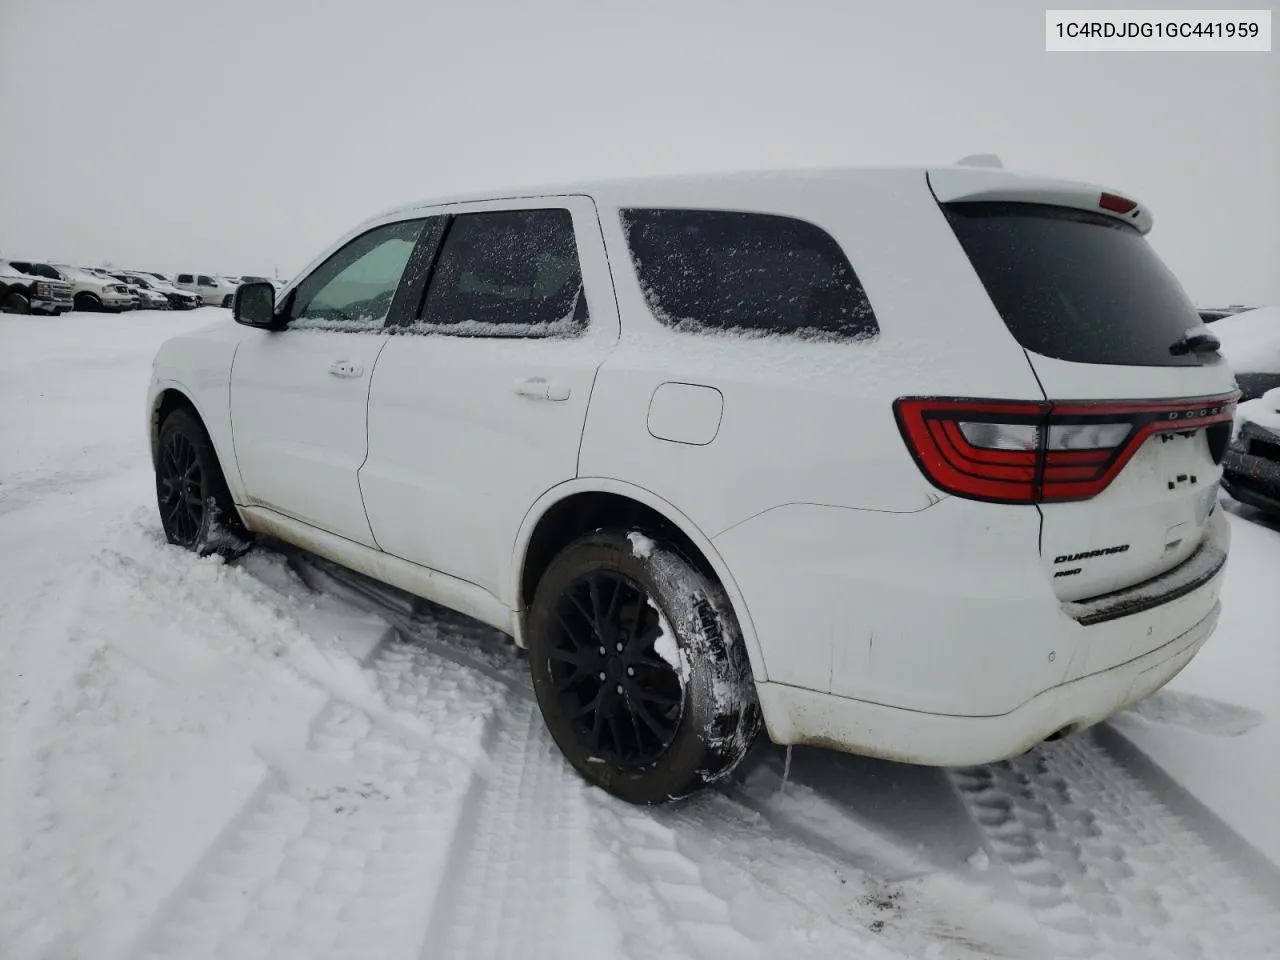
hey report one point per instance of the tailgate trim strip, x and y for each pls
(1187, 577)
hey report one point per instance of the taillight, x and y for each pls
(1109, 201)
(1011, 451)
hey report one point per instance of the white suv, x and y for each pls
(915, 463)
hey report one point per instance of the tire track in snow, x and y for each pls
(1107, 869)
(342, 846)
(664, 892)
(1118, 880)
(524, 848)
(520, 872)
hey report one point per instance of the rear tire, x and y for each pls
(650, 730)
(15, 301)
(196, 509)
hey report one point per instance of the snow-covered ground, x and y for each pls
(274, 759)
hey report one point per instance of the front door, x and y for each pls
(299, 396)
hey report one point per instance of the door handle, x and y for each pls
(345, 368)
(539, 388)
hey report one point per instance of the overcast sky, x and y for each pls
(243, 136)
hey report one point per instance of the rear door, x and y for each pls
(1138, 395)
(478, 404)
(299, 396)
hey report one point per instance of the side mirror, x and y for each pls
(255, 306)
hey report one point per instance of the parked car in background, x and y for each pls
(1251, 471)
(148, 299)
(138, 300)
(277, 284)
(96, 292)
(178, 299)
(112, 288)
(1214, 314)
(213, 290)
(37, 289)
(660, 432)
(1251, 343)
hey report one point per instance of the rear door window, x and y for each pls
(508, 273)
(748, 272)
(1075, 285)
(184, 278)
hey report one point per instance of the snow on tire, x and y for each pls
(639, 668)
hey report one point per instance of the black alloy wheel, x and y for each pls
(196, 508)
(180, 489)
(639, 667)
(622, 698)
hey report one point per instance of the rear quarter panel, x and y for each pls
(810, 423)
(804, 422)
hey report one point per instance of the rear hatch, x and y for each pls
(1138, 402)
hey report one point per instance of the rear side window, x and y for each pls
(509, 273)
(747, 272)
(1074, 285)
(184, 278)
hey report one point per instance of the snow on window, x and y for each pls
(509, 273)
(750, 273)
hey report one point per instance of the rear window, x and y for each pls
(748, 272)
(1076, 285)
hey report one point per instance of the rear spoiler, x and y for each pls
(966, 184)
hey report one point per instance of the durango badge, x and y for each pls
(1090, 554)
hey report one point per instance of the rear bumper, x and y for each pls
(797, 716)
(879, 632)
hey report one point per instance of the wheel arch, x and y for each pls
(166, 400)
(18, 290)
(170, 395)
(577, 507)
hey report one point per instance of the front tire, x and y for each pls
(640, 669)
(196, 509)
(15, 301)
(88, 303)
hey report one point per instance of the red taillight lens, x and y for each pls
(1029, 452)
(957, 445)
(1109, 201)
